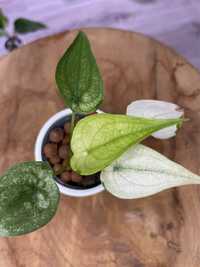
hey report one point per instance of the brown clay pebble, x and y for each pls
(67, 127)
(63, 151)
(50, 150)
(57, 168)
(75, 177)
(66, 140)
(56, 135)
(55, 159)
(88, 180)
(66, 176)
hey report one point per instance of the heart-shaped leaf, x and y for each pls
(142, 172)
(78, 77)
(156, 109)
(23, 26)
(99, 139)
(28, 198)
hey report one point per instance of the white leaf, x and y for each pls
(156, 109)
(142, 171)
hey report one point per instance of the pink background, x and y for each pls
(176, 23)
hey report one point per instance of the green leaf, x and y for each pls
(78, 77)
(28, 198)
(3, 20)
(142, 172)
(23, 26)
(99, 139)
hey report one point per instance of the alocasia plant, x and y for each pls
(103, 142)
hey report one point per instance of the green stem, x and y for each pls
(72, 123)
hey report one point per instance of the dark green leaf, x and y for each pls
(3, 20)
(28, 198)
(24, 26)
(78, 77)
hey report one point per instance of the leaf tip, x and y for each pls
(181, 121)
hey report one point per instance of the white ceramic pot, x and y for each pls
(57, 120)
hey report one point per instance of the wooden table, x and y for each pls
(160, 231)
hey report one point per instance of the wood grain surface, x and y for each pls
(160, 231)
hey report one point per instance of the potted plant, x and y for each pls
(103, 147)
(53, 145)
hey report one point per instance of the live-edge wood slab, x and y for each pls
(159, 231)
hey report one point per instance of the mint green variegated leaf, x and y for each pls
(28, 198)
(99, 139)
(142, 172)
(78, 77)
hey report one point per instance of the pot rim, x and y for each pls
(38, 156)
